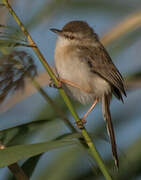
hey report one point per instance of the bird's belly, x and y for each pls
(73, 69)
(78, 72)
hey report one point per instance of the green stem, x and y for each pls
(86, 136)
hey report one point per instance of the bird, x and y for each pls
(86, 72)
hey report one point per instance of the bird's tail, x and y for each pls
(107, 118)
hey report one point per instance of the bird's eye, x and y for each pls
(69, 37)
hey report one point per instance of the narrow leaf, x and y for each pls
(13, 154)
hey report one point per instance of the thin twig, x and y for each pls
(18, 172)
(15, 169)
(131, 23)
(2, 5)
(86, 136)
(134, 83)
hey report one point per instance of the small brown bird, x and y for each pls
(87, 72)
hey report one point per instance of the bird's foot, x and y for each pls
(53, 85)
(81, 123)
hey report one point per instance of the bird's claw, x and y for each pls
(83, 120)
(81, 123)
(53, 85)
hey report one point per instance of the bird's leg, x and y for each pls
(89, 110)
(83, 121)
(68, 83)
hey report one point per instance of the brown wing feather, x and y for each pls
(101, 63)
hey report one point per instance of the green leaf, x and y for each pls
(8, 136)
(13, 154)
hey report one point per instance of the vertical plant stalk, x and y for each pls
(85, 134)
(15, 169)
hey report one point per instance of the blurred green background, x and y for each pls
(33, 120)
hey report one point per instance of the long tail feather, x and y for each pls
(107, 118)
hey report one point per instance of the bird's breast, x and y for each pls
(70, 67)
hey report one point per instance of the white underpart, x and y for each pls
(70, 67)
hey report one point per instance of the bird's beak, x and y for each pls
(56, 30)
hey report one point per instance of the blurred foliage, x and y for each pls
(14, 68)
(67, 157)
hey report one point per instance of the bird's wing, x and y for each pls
(100, 63)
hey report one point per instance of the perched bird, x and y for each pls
(87, 72)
